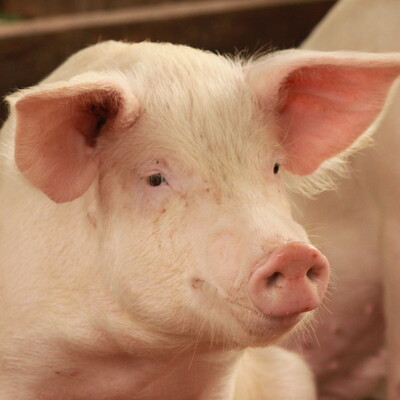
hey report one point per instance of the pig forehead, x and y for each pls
(201, 103)
(193, 88)
(217, 132)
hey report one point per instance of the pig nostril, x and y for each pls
(272, 280)
(313, 274)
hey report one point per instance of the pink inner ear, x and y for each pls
(323, 109)
(56, 138)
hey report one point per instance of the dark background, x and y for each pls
(37, 35)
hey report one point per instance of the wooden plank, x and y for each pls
(134, 15)
(38, 8)
(29, 51)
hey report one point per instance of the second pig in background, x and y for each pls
(356, 348)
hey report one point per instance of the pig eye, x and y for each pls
(155, 180)
(276, 168)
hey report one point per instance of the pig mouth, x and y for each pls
(257, 323)
(253, 328)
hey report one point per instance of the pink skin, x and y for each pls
(153, 286)
(292, 280)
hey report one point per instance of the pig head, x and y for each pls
(151, 208)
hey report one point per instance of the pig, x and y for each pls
(356, 348)
(147, 243)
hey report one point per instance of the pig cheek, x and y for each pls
(210, 248)
(167, 267)
(140, 259)
(146, 275)
(226, 256)
(222, 255)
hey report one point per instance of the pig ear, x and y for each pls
(58, 128)
(322, 101)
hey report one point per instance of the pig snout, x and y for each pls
(293, 279)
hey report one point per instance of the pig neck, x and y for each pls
(66, 371)
(186, 377)
(146, 368)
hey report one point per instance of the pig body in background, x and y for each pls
(358, 228)
(146, 238)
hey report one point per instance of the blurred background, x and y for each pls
(37, 35)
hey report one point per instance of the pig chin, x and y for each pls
(239, 324)
(258, 329)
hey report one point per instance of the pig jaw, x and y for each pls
(124, 377)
